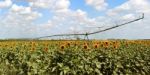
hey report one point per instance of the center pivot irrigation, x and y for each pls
(86, 34)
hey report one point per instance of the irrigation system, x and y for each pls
(86, 34)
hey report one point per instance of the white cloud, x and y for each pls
(19, 21)
(41, 3)
(52, 5)
(129, 17)
(25, 11)
(62, 5)
(64, 22)
(6, 3)
(130, 10)
(20, 18)
(97, 4)
(136, 6)
(21, 9)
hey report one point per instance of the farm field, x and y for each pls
(94, 57)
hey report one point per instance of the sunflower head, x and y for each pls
(46, 49)
(62, 47)
(85, 46)
(33, 49)
(115, 46)
(75, 44)
(106, 43)
(95, 45)
(68, 44)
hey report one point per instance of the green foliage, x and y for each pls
(134, 60)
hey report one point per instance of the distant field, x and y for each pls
(94, 57)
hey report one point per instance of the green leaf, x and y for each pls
(119, 65)
(60, 64)
(53, 69)
(80, 66)
(38, 61)
(98, 71)
(98, 65)
(61, 73)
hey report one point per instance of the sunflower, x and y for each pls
(62, 47)
(106, 43)
(85, 47)
(75, 44)
(116, 45)
(96, 46)
(68, 44)
(46, 49)
(32, 48)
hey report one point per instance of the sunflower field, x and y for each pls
(70, 57)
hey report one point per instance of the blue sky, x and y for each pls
(75, 4)
(34, 18)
